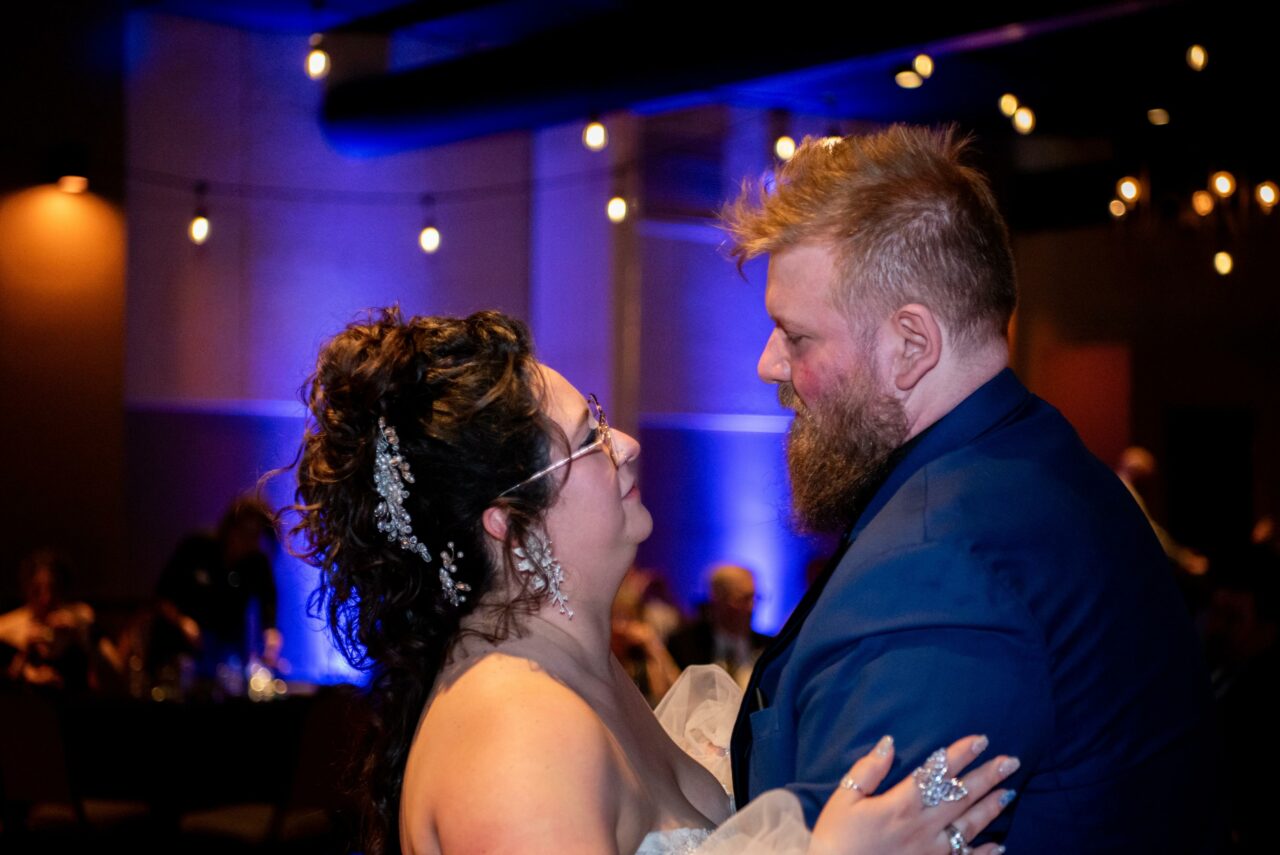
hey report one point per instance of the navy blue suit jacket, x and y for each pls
(1001, 581)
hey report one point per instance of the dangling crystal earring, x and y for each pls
(390, 475)
(544, 571)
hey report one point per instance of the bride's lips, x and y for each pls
(634, 492)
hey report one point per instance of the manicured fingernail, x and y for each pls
(1006, 797)
(884, 746)
(1008, 766)
(980, 744)
(999, 850)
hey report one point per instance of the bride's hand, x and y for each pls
(855, 821)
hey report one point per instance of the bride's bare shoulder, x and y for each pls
(502, 691)
(503, 752)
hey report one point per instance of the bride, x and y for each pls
(472, 516)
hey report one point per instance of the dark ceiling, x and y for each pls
(1089, 69)
(414, 74)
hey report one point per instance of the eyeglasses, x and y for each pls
(603, 439)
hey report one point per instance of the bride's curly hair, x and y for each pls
(464, 398)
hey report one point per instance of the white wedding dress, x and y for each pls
(698, 713)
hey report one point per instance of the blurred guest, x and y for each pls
(208, 588)
(722, 634)
(48, 641)
(1240, 634)
(636, 642)
(657, 604)
(1137, 469)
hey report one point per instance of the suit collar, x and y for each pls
(988, 405)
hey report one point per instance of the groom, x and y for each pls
(994, 577)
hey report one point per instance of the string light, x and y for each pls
(1197, 57)
(923, 64)
(784, 147)
(1223, 183)
(594, 136)
(198, 228)
(1202, 202)
(73, 184)
(1008, 104)
(198, 231)
(317, 58)
(1267, 195)
(1128, 189)
(1223, 263)
(908, 79)
(616, 209)
(1118, 209)
(1158, 116)
(429, 237)
(1024, 120)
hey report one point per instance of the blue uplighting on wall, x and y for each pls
(717, 488)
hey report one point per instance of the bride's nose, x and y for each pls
(627, 447)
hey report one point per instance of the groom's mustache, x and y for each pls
(788, 398)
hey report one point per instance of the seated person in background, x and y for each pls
(637, 642)
(208, 585)
(1136, 469)
(657, 603)
(49, 641)
(722, 634)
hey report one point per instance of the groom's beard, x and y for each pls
(837, 451)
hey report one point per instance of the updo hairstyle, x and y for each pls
(464, 397)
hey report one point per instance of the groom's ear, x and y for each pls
(917, 344)
(494, 520)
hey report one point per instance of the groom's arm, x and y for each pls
(927, 648)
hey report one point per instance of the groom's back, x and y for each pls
(1010, 586)
(1129, 763)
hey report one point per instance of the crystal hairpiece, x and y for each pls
(390, 475)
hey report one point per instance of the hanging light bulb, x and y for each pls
(1024, 120)
(1197, 57)
(1118, 209)
(1223, 263)
(1009, 104)
(1267, 195)
(429, 239)
(909, 79)
(1158, 116)
(198, 228)
(784, 147)
(1128, 189)
(317, 58)
(1223, 183)
(594, 135)
(616, 209)
(923, 65)
(1202, 202)
(198, 231)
